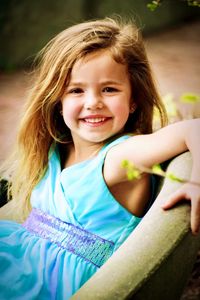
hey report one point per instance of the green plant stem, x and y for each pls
(163, 174)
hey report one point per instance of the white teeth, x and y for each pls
(95, 120)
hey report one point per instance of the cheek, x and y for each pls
(70, 111)
(121, 111)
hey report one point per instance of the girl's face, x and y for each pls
(96, 103)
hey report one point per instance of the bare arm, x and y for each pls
(150, 149)
(147, 150)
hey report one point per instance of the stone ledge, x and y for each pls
(157, 258)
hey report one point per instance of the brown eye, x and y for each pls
(75, 91)
(109, 89)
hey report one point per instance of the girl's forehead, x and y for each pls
(93, 55)
(99, 66)
(103, 57)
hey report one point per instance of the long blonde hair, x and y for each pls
(42, 123)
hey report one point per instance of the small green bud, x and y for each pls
(133, 174)
(125, 163)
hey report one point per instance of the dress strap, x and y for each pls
(65, 235)
(113, 143)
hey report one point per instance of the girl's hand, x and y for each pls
(189, 192)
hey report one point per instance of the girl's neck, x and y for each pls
(74, 155)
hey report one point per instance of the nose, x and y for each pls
(93, 101)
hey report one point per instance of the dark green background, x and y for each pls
(26, 25)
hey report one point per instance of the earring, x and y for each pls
(132, 108)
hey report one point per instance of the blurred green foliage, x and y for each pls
(190, 98)
(156, 3)
(134, 172)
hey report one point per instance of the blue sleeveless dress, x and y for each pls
(33, 266)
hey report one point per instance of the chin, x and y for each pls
(99, 139)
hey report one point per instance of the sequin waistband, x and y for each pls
(70, 237)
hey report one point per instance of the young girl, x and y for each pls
(91, 107)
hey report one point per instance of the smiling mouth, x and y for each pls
(95, 121)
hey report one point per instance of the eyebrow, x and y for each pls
(75, 83)
(112, 82)
(106, 82)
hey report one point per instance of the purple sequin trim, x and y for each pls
(70, 237)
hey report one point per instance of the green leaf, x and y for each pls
(133, 174)
(170, 105)
(194, 3)
(125, 164)
(156, 169)
(151, 6)
(190, 98)
(131, 171)
(154, 4)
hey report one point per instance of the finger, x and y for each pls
(174, 199)
(195, 216)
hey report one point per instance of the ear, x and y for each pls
(133, 107)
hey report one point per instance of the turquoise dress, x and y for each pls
(36, 261)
